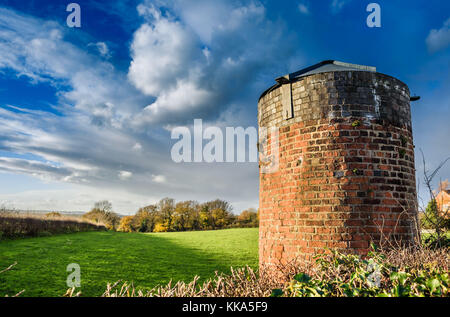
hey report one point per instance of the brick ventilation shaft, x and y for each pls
(346, 173)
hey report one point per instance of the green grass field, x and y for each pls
(144, 259)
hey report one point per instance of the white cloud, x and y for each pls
(214, 14)
(337, 5)
(162, 53)
(176, 102)
(303, 8)
(159, 179)
(439, 39)
(124, 175)
(43, 170)
(137, 147)
(102, 49)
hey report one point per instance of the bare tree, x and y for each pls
(103, 206)
(434, 216)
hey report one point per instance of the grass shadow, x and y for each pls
(144, 259)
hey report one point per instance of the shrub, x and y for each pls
(160, 227)
(125, 224)
(53, 214)
(248, 219)
(144, 220)
(108, 218)
(437, 225)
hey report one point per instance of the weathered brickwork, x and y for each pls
(346, 169)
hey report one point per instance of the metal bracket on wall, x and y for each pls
(286, 101)
(286, 97)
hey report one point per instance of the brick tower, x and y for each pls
(345, 173)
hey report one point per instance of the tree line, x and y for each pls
(169, 216)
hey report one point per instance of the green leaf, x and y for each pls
(433, 284)
(394, 276)
(403, 276)
(277, 293)
(302, 278)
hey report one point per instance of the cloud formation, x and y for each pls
(191, 65)
(303, 8)
(337, 5)
(439, 39)
(110, 131)
(102, 49)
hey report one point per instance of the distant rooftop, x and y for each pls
(324, 67)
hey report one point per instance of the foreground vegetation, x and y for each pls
(395, 273)
(198, 264)
(105, 257)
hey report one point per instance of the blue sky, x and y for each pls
(85, 113)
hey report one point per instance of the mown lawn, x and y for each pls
(144, 259)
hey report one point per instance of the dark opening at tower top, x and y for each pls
(324, 67)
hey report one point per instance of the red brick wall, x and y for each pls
(346, 168)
